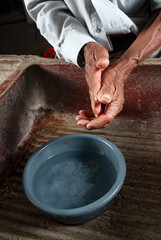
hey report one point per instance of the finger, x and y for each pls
(97, 109)
(83, 114)
(86, 113)
(93, 78)
(94, 83)
(99, 62)
(106, 94)
(100, 65)
(95, 104)
(99, 122)
(80, 117)
(109, 114)
(83, 122)
(94, 68)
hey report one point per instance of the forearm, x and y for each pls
(146, 43)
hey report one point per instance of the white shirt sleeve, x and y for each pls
(61, 29)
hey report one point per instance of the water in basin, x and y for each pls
(73, 179)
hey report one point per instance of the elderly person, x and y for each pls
(82, 32)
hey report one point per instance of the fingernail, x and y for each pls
(88, 127)
(102, 59)
(95, 98)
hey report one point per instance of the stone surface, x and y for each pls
(17, 120)
(32, 87)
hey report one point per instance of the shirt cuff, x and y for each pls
(73, 43)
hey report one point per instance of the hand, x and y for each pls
(97, 60)
(111, 98)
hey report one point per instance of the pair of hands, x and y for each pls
(106, 88)
(106, 83)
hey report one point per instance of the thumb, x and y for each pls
(101, 57)
(105, 95)
(102, 63)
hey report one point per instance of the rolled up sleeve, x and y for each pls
(73, 43)
(59, 27)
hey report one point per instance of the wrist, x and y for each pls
(84, 53)
(126, 65)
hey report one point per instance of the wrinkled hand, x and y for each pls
(97, 60)
(110, 96)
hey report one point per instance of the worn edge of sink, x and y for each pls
(14, 154)
(28, 60)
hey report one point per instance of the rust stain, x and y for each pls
(50, 121)
(4, 86)
(14, 75)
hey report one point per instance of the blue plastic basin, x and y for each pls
(74, 177)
